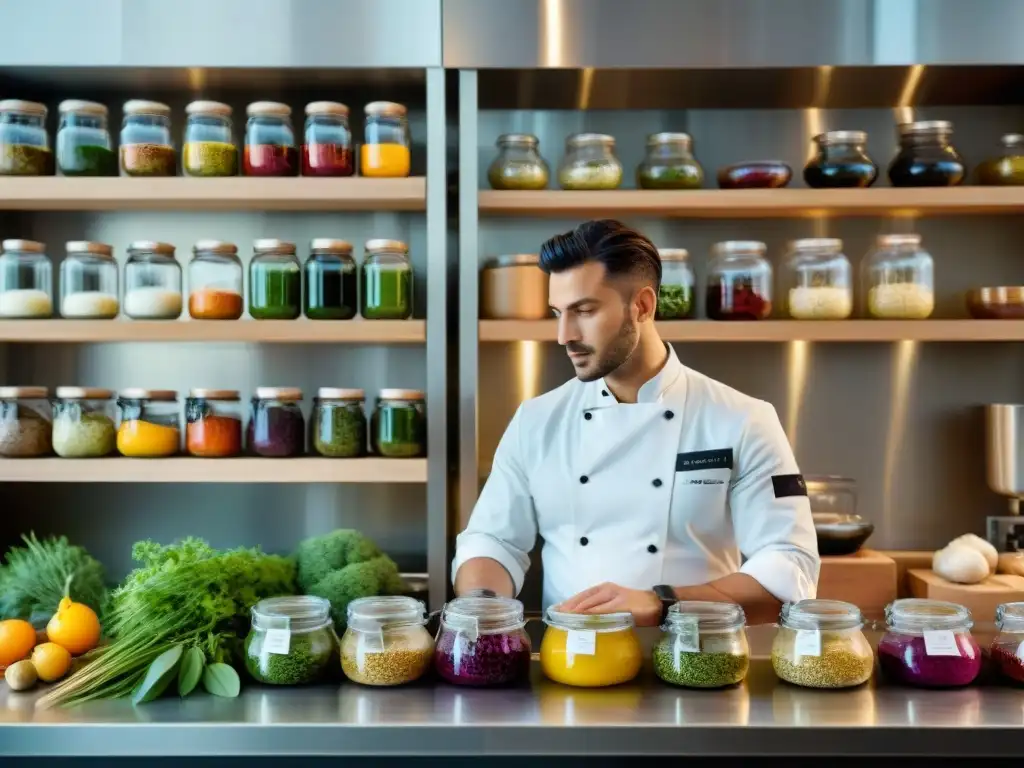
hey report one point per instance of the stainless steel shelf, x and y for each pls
(763, 717)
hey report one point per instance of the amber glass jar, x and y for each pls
(1006, 169)
(926, 158)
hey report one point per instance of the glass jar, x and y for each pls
(669, 163)
(590, 163)
(483, 642)
(590, 651)
(704, 645)
(215, 281)
(332, 281)
(213, 423)
(385, 150)
(841, 161)
(1007, 649)
(291, 640)
(926, 158)
(1006, 169)
(152, 282)
(275, 281)
(25, 429)
(149, 423)
(818, 283)
(518, 164)
(269, 140)
(26, 280)
(929, 644)
(88, 281)
(675, 294)
(209, 148)
(387, 281)
(386, 642)
(338, 423)
(146, 146)
(327, 147)
(276, 427)
(899, 279)
(83, 423)
(24, 142)
(84, 147)
(820, 644)
(398, 427)
(514, 287)
(739, 281)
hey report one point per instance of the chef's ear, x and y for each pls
(646, 302)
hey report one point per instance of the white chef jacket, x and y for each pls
(669, 490)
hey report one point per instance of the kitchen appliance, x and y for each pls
(1004, 449)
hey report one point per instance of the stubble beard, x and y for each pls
(619, 350)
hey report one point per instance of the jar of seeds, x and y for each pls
(820, 645)
(704, 645)
(386, 642)
(24, 143)
(146, 147)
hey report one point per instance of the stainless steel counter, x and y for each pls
(761, 717)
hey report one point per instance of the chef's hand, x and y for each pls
(611, 598)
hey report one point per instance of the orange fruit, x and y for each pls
(74, 627)
(17, 638)
(51, 661)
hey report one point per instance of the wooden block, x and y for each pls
(905, 561)
(982, 599)
(866, 578)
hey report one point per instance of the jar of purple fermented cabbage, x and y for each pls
(483, 642)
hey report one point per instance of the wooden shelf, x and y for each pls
(786, 330)
(192, 470)
(228, 194)
(757, 203)
(242, 331)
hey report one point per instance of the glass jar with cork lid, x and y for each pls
(209, 149)
(24, 142)
(152, 282)
(215, 281)
(26, 280)
(89, 281)
(146, 145)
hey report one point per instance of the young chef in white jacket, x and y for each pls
(646, 480)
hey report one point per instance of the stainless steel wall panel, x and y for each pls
(222, 33)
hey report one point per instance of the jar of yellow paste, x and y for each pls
(149, 423)
(590, 651)
(385, 149)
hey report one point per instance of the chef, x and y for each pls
(648, 482)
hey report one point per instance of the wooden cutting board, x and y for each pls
(866, 578)
(981, 599)
(905, 561)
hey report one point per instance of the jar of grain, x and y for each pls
(209, 149)
(818, 283)
(26, 280)
(215, 281)
(899, 279)
(24, 142)
(83, 423)
(704, 645)
(386, 642)
(24, 422)
(146, 146)
(514, 287)
(152, 282)
(88, 281)
(820, 645)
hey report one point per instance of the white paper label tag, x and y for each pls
(940, 642)
(808, 642)
(688, 635)
(277, 641)
(717, 644)
(581, 642)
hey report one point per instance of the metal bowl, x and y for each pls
(841, 534)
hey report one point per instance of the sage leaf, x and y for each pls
(158, 676)
(221, 680)
(192, 664)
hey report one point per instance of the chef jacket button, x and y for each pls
(584, 541)
(584, 479)
(604, 393)
(652, 549)
(588, 415)
(669, 415)
(656, 482)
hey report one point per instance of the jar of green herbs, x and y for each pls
(275, 281)
(291, 641)
(338, 424)
(387, 281)
(398, 427)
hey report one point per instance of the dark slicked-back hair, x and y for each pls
(622, 250)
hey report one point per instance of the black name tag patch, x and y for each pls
(789, 485)
(690, 462)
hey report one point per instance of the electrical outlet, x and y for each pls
(1006, 533)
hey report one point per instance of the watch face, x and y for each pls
(665, 592)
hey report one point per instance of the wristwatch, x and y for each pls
(668, 598)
